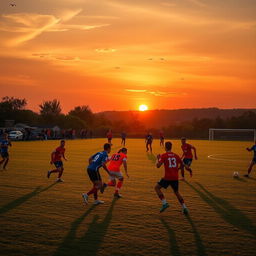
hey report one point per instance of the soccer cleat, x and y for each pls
(48, 174)
(185, 211)
(97, 202)
(103, 187)
(59, 180)
(117, 195)
(85, 197)
(246, 175)
(164, 207)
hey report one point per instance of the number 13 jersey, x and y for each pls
(172, 164)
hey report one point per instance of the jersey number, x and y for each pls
(96, 158)
(115, 157)
(172, 162)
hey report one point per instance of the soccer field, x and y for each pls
(41, 217)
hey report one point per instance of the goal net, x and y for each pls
(232, 134)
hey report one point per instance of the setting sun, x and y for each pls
(143, 107)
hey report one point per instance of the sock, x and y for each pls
(92, 191)
(60, 174)
(184, 206)
(161, 197)
(119, 185)
(111, 183)
(164, 201)
(95, 195)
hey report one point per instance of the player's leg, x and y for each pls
(175, 187)
(162, 184)
(112, 179)
(61, 169)
(187, 163)
(119, 185)
(6, 162)
(252, 163)
(150, 145)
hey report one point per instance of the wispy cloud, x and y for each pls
(31, 25)
(156, 93)
(105, 50)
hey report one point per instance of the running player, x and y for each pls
(123, 137)
(115, 163)
(253, 162)
(187, 156)
(95, 162)
(56, 159)
(109, 137)
(148, 141)
(172, 164)
(4, 144)
(161, 137)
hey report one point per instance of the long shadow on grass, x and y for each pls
(90, 242)
(240, 179)
(174, 248)
(151, 157)
(227, 211)
(199, 244)
(17, 202)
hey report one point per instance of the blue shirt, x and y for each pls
(4, 146)
(253, 148)
(98, 160)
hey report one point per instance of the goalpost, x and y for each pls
(232, 134)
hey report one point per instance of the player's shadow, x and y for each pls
(227, 211)
(174, 248)
(199, 243)
(251, 178)
(17, 202)
(91, 241)
(151, 157)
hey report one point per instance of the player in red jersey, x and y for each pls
(114, 165)
(187, 156)
(56, 159)
(109, 136)
(172, 163)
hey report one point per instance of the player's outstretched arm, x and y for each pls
(194, 152)
(158, 163)
(248, 149)
(52, 157)
(126, 169)
(105, 168)
(63, 155)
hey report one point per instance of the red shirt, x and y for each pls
(116, 162)
(109, 135)
(187, 150)
(58, 154)
(171, 163)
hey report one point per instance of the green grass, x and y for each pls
(41, 217)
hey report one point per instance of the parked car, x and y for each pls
(15, 135)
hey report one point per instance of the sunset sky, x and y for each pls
(118, 54)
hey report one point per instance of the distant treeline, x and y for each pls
(174, 123)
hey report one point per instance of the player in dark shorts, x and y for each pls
(172, 163)
(56, 159)
(161, 137)
(187, 156)
(123, 137)
(253, 162)
(4, 144)
(97, 161)
(148, 141)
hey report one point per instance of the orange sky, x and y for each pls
(118, 54)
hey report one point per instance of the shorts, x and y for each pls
(4, 154)
(187, 161)
(58, 164)
(115, 175)
(166, 183)
(94, 175)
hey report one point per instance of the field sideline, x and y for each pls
(40, 217)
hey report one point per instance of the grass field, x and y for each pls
(40, 217)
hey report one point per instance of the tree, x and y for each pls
(84, 113)
(12, 104)
(50, 108)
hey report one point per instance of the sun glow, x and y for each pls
(143, 107)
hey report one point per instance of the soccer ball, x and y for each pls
(235, 175)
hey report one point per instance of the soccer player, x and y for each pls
(187, 156)
(172, 163)
(161, 136)
(97, 161)
(4, 144)
(109, 137)
(148, 141)
(253, 162)
(123, 137)
(114, 165)
(56, 159)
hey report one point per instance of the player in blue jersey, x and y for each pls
(4, 144)
(148, 141)
(253, 162)
(97, 161)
